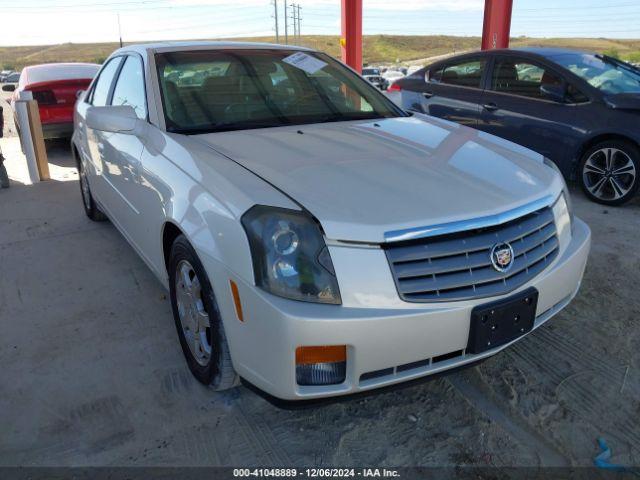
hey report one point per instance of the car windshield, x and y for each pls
(607, 74)
(222, 90)
(370, 71)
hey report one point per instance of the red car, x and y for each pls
(55, 87)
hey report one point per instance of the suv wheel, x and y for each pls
(609, 172)
(198, 319)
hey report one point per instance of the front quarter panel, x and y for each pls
(204, 194)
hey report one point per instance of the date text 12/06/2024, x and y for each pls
(316, 472)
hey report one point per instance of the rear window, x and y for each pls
(465, 74)
(48, 73)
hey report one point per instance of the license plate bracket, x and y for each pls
(500, 322)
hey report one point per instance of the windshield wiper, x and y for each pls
(618, 63)
(226, 127)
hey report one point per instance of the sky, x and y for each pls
(87, 21)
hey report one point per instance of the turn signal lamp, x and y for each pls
(321, 365)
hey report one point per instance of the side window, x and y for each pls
(100, 93)
(522, 78)
(574, 95)
(465, 74)
(129, 88)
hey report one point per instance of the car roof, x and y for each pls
(150, 48)
(550, 52)
(545, 52)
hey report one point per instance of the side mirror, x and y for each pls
(557, 93)
(8, 88)
(79, 94)
(115, 119)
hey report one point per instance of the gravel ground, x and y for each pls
(93, 375)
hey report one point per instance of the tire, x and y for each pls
(90, 207)
(186, 274)
(598, 167)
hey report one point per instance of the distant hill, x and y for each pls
(377, 48)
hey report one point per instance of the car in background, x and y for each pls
(4, 74)
(579, 109)
(55, 87)
(374, 77)
(10, 80)
(391, 76)
(315, 239)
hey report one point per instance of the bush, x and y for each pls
(612, 53)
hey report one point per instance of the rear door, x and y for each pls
(451, 90)
(514, 107)
(96, 156)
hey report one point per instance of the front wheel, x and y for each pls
(609, 172)
(198, 319)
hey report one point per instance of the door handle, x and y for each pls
(490, 107)
(427, 94)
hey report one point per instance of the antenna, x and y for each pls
(119, 30)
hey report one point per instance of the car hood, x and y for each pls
(363, 179)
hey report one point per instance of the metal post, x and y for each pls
(299, 34)
(351, 41)
(275, 13)
(497, 24)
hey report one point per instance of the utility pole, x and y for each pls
(119, 30)
(286, 23)
(275, 15)
(299, 34)
(293, 19)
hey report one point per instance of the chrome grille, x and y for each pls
(458, 266)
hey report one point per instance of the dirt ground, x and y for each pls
(92, 372)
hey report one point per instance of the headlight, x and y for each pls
(290, 258)
(565, 189)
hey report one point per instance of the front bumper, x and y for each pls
(387, 343)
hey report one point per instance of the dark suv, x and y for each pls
(579, 109)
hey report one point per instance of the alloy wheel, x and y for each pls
(609, 174)
(194, 319)
(84, 187)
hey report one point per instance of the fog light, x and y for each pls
(323, 365)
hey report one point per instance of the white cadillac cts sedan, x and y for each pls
(316, 240)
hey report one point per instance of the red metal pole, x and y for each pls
(351, 41)
(497, 24)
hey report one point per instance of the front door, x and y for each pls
(122, 151)
(516, 107)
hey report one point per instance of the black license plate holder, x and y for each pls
(500, 322)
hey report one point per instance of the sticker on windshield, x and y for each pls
(305, 62)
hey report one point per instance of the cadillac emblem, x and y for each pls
(502, 257)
